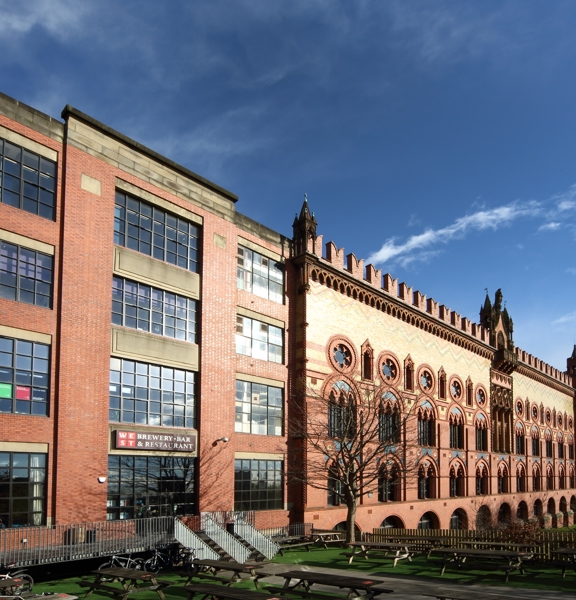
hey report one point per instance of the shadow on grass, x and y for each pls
(537, 576)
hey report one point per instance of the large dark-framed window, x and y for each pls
(156, 232)
(426, 426)
(260, 275)
(535, 446)
(259, 408)
(259, 340)
(456, 434)
(258, 484)
(389, 425)
(481, 438)
(148, 394)
(24, 377)
(22, 489)
(27, 180)
(154, 310)
(25, 275)
(150, 486)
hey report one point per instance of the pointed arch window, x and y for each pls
(456, 429)
(481, 433)
(469, 392)
(335, 487)
(409, 374)
(550, 478)
(520, 439)
(560, 442)
(535, 442)
(561, 478)
(456, 481)
(481, 480)
(341, 412)
(536, 483)
(389, 483)
(426, 426)
(367, 361)
(521, 479)
(426, 482)
(389, 419)
(572, 478)
(442, 384)
(503, 487)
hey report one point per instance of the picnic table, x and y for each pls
(512, 559)
(211, 568)
(306, 579)
(327, 537)
(390, 550)
(567, 559)
(131, 582)
(499, 545)
(295, 541)
(221, 592)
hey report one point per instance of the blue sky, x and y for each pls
(436, 139)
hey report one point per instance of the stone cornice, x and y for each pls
(536, 375)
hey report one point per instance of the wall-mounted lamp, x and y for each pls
(101, 479)
(222, 439)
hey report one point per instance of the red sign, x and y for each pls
(22, 393)
(172, 442)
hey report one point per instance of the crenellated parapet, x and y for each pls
(535, 363)
(352, 266)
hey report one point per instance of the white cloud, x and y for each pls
(552, 226)
(567, 318)
(58, 17)
(478, 221)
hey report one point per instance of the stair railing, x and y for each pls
(225, 540)
(257, 540)
(185, 536)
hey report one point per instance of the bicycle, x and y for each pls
(125, 562)
(22, 581)
(175, 556)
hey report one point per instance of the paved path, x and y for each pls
(412, 589)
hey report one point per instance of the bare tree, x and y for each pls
(351, 440)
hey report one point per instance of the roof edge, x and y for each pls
(74, 112)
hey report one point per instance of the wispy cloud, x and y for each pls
(571, 270)
(418, 246)
(567, 318)
(552, 226)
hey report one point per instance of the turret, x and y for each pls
(304, 228)
(571, 367)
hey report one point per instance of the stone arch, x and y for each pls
(538, 509)
(429, 520)
(459, 519)
(392, 522)
(483, 518)
(522, 511)
(551, 506)
(504, 514)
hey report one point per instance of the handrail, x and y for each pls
(189, 539)
(257, 540)
(226, 541)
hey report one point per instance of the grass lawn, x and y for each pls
(536, 577)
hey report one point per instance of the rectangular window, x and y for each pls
(150, 486)
(22, 489)
(150, 309)
(389, 427)
(260, 275)
(560, 450)
(571, 451)
(259, 340)
(456, 435)
(549, 448)
(155, 232)
(24, 377)
(27, 180)
(147, 394)
(259, 409)
(25, 275)
(520, 444)
(258, 484)
(481, 439)
(535, 447)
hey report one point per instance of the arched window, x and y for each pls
(456, 481)
(550, 478)
(367, 361)
(538, 510)
(570, 447)
(481, 433)
(428, 521)
(341, 411)
(560, 442)
(426, 425)
(469, 392)
(522, 511)
(561, 478)
(572, 478)
(389, 419)
(503, 487)
(456, 429)
(442, 384)
(409, 374)
(521, 479)
(548, 438)
(458, 519)
(389, 483)
(536, 483)
(520, 439)
(481, 480)
(426, 482)
(335, 487)
(535, 441)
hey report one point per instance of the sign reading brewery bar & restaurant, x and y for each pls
(171, 442)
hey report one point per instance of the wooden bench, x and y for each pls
(104, 587)
(563, 564)
(306, 545)
(222, 592)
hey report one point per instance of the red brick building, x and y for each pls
(151, 336)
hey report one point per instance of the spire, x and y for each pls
(304, 228)
(574, 353)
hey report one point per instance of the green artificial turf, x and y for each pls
(536, 577)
